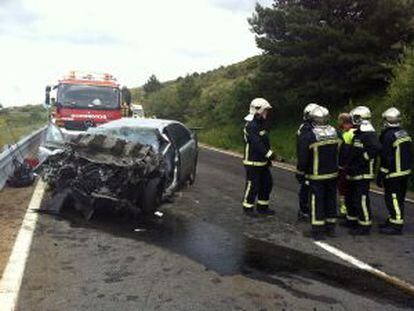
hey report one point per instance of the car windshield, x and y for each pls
(145, 136)
(54, 135)
(88, 96)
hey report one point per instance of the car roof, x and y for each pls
(156, 124)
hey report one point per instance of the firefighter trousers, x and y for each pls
(395, 190)
(323, 203)
(358, 203)
(304, 197)
(259, 184)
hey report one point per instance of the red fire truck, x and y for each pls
(80, 101)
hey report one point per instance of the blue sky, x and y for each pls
(41, 40)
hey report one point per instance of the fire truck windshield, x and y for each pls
(88, 96)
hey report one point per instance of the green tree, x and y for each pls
(187, 90)
(401, 91)
(152, 85)
(329, 50)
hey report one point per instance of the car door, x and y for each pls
(187, 148)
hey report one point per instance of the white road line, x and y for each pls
(13, 274)
(285, 167)
(409, 288)
(333, 250)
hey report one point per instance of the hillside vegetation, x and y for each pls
(218, 100)
(17, 122)
(338, 53)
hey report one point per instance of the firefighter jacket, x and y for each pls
(257, 149)
(304, 128)
(318, 153)
(362, 153)
(396, 153)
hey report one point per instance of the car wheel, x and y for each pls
(192, 177)
(151, 196)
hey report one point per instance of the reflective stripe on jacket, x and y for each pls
(396, 153)
(364, 149)
(257, 144)
(318, 154)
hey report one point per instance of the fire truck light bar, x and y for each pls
(92, 78)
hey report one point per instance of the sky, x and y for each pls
(42, 40)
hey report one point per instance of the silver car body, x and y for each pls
(176, 143)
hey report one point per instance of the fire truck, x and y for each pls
(83, 100)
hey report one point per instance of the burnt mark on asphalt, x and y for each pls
(231, 253)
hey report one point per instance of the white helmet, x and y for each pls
(360, 114)
(308, 109)
(257, 106)
(392, 117)
(319, 116)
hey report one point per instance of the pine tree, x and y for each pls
(329, 50)
(152, 85)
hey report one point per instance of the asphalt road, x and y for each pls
(203, 254)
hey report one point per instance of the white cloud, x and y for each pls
(240, 5)
(41, 40)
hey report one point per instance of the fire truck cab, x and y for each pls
(80, 101)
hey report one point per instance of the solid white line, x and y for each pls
(333, 250)
(363, 266)
(13, 274)
(285, 167)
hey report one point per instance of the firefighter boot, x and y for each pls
(330, 230)
(318, 235)
(303, 217)
(350, 223)
(390, 230)
(249, 212)
(264, 210)
(360, 230)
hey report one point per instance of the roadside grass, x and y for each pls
(17, 122)
(230, 137)
(16, 134)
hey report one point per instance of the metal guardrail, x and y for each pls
(22, 149)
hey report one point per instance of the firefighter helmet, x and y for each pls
(257, 106)
(360, 114)
(392, 117)
(308, 109)
(319, 116)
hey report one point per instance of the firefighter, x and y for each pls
(363, 151)
(125, 110)
(318, 162)
(257, 160)
(346, 133)
(304, 128)
(395, 169)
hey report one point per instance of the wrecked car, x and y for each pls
(174, 141)
(130, 163)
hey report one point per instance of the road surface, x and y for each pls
(203, 254)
